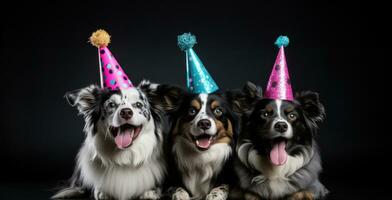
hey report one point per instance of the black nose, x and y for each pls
(204, 124)
(281, 127)
(126, 113)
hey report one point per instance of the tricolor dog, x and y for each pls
(203, 133)
(201, 146)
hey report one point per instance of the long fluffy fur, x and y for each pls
(199, 168)
(258, 177)
(109, 173)
(300, 172)
(202, 174)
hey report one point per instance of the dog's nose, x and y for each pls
(281, 127)
(126, 113)
(204, 124)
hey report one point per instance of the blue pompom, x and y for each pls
(186, 41)
(282, 41)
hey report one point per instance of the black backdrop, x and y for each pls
(44, 53)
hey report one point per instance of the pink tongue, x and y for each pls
(124, 139)
(278, 154)
(203, 143)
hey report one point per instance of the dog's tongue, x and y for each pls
(203, 143)
(124, 138)
(278, 154)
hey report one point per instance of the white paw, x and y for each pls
(219, 193)
(151, 194)
(180, 194)
(98, 195)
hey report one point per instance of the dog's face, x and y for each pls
(279, 128)
(204, 120)
(120, 115)
(124, 126)
(125, 114)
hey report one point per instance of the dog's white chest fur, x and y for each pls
(121, 182)
(199, 167)
(122, 174)
(275, 177)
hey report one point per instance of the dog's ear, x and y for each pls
(170, 97)
(243, 100)
(311, 106)
(84, 99)
(71, 97)
(163, 97)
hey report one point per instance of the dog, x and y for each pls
(122, 155)
(201, 145)
(277, 155)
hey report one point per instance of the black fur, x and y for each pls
(93, 100)
(256, 135)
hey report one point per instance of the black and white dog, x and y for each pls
(122, 156)
(278, 157)
(201, 146)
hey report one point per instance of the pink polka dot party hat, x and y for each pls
(112, 75)
(279, 84)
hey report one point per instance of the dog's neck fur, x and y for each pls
(275, 177)
(199, 168)
(123, 174)
(251, 158)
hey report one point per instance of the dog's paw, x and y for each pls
(98, 195)
(302, 195)
(258, 179)
(180, 194)
(251, 196)
(219, 193)
(151, 194)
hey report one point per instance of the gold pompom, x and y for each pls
(100, 38)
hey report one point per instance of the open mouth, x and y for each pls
(278, 154)
(125, 134)
(204, 141)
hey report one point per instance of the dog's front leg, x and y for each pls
(251, 196)
(180, 194)
(152, 194)
(98, 195)
(301, 195)
(219, 193)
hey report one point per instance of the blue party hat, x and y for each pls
(198, 79)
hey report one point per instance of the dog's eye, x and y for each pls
(111, 105)
(139, 105)
(192, 111)
(218, 111)
(265, 114)
(292, 116)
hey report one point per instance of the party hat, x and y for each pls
(279, 85)
(112, 75)
(198, 79)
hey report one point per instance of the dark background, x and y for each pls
(44, 53)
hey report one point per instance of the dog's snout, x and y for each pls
(126, 113)
(204, 124)
(281, 127)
